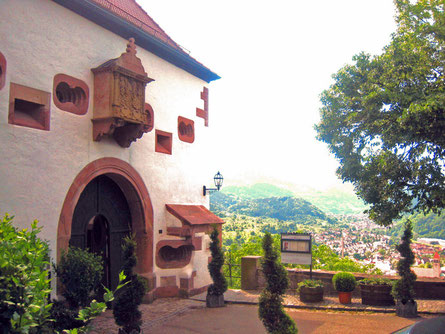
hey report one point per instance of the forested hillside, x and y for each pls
(427, 226)
(297, 210)
(335, 200)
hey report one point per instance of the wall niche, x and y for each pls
(119, 99)
(70, 94)
(186, 129)
(2, 71)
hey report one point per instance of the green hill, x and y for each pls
(287, 208)
(258, 190)
(334, 200)
(427, 226)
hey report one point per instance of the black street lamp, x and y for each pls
(218, 178)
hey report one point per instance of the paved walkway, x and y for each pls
(175, 315)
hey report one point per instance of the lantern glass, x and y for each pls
(218, 180)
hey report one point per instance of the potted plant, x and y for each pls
(376, 291)
(311, 291)
(403, 289)
(344, 283)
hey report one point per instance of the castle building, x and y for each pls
(104, 125)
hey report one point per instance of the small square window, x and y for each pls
(163, 142)
(29, 107)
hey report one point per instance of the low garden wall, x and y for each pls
(253, 279)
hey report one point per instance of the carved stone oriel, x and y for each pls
(119, 99)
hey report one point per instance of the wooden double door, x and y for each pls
(101, 220)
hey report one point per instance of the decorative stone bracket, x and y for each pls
(119, 99)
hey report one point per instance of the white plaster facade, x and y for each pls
(39, 39)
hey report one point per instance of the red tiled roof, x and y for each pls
(193, 214)
(133, 13)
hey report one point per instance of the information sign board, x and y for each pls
(296, 248)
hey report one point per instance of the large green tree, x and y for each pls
(384, 120)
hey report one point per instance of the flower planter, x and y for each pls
(407, 310)
(376, 294)
(344, 297)
(311, 295)
(215, 301)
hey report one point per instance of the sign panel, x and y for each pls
(296, 248)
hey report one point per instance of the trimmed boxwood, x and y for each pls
(344, 282)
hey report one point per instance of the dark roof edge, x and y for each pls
(121, 27)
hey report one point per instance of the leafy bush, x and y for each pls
(309, 283)
(24, 283)
(344, 282)
(403, 289)
(80, 273)
(271, 311)
(376, 281)
(126, 307)
(64, 317)
(219, 285)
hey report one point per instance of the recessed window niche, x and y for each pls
(2, 70)
(29, 107)
(70, 94)
(186, 129)
(173, 254)
(163, 142)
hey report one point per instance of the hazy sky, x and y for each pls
(275, 58)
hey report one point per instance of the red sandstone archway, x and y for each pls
(133, 187)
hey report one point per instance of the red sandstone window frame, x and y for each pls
(40, 101)
(163, 142)
(70, 94)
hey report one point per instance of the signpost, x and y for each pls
(296, 248)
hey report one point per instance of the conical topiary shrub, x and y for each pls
(403, 289)
(215, 292)
(126, 306)
(271, 311)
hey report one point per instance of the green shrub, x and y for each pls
(24, 283)
(403, 289)
(64, 317)
(376, 281)
(219, 285)
(80, 273)
(344, 282)
(271, 311)
(126, 307)
(309, 283)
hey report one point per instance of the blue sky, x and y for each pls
(275, 58)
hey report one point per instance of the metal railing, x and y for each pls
(230, 264)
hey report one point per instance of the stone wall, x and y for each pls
(424, 288)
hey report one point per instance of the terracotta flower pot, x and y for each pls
(344, 297)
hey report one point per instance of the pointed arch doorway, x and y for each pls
(106, 201)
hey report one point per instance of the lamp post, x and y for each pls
(218, 179)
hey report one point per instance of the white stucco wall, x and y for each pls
(40, 39)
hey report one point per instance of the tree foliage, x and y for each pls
(219, 285)
(384, 120)
(126, 307)
(24, 283)
(271, 311)
(403, 289)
